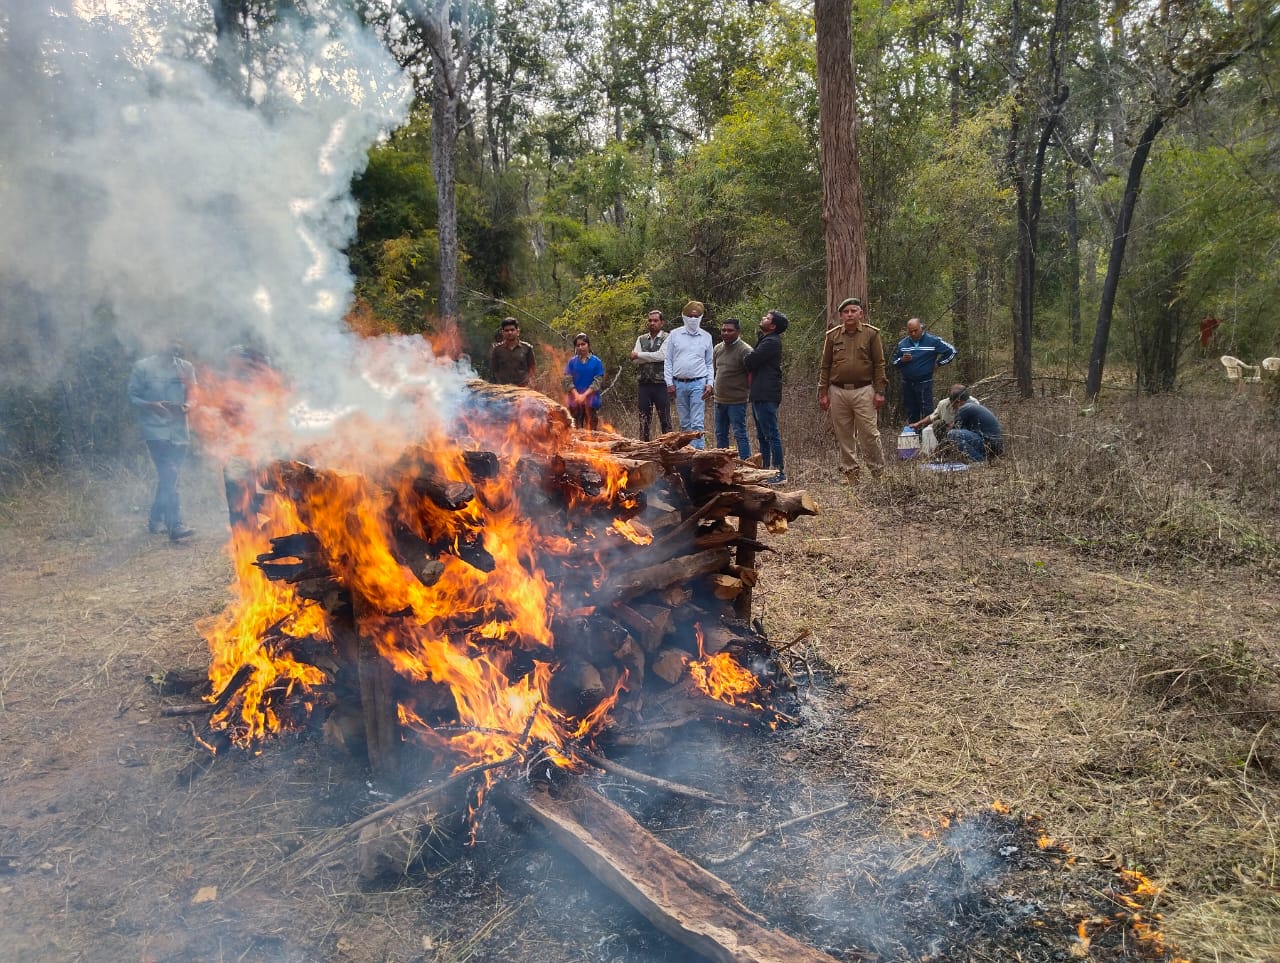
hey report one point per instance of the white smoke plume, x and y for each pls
(145, 198)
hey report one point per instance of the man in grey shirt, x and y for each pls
(161, 388)
(730, 391)
(944, 416)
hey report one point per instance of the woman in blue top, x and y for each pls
(584, 376)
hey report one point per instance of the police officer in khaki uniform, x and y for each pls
(851, 385)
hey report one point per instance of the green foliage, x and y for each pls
(396, 255)
(678, 142)
(491, 230)
(744, 211)
(73, 412)
(611, 312)
(1214, 218)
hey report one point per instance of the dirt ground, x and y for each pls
(1122, 709)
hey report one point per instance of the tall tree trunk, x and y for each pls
(448, 87)
(619, 211)
(228, 58)
(444, 137)
(961, 335)
(841, 174)
(1199, 81)
(1166, 340)
(1027, 175)
(1073, 258)
(1024, 273)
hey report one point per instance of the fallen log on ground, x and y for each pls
(691, 905)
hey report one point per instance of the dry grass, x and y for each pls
(1085, 630)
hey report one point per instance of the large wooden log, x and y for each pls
(625, 585)
(634, 448)
(648, 623)
(640, 474)
(692, 906)
(377, 696)
(763, 504)
(745, 560)
(538, 420)
(449, 495)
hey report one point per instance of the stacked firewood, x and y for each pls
(649, 547)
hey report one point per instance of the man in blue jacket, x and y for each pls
(916, 356)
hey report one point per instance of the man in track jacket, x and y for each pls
(916, 357)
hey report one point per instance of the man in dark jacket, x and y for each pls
(765, 366)
(651, 390)
(977, 432)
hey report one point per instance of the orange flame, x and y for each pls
(447, 571)
(720, 676)
(632, 531)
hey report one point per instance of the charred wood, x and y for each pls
(449, 495)
(481, 465)
(689, 904)
(644, 779)
(622, 586)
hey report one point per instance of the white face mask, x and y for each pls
(692, 324)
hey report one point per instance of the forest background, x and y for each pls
(1049, 184)
(613, 157)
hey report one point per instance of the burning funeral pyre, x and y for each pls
(506, 581)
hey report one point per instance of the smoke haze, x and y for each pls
(144, 198)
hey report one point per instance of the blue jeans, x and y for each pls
(735, 416)
(767, 434)
(969, 442)
(917, 398)
(691, 409)
(166, 509)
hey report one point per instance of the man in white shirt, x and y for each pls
(687, 369)
(943, 415)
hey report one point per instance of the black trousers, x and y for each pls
(168, 458)
(652, 396)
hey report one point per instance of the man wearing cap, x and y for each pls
(851, 384)
(511, 361)
(687, 368)
(765, 365)
(730, 392)
(916, 357)
(651, 392)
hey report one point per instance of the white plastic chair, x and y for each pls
(1233, 366)
(1271, 365)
